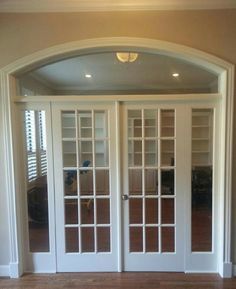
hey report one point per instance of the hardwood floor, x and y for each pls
(119, 280)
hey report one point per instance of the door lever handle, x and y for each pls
(125, 197)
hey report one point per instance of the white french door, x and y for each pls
(167, 178)
(85, 186)
(154, 187)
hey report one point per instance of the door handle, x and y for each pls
(125, 197)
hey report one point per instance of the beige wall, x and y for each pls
(212, 31)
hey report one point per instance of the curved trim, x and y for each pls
(224, 69)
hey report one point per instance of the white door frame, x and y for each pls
(9, 96)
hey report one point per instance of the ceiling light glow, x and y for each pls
(175, 74)
(88, 75)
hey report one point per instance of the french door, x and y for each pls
(85, 185)
(154, 188)
(150, 159)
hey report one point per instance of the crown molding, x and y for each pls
(28, 6)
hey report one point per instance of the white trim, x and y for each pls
(223, 68)
(108, 5)
(4, 271)
(227, 270)
(14, 270)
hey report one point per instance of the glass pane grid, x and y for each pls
(93, 229)
(151, 138)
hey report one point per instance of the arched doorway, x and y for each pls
(224, 71)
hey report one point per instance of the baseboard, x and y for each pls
(14, 270)
(4, 271)
(227, 270)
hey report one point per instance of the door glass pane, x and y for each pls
(71, 211)
(87, 239)
(150, 123)
(85, 124)
(135, 123)
(101, 153)
(167, 182)
(152, 243)
(103, 211)
(68, 124)
(100, 124)
(202, 171)
(70, 182)
(87, 211)
(36, 180)
(136, 239)
(168, 239)
(86, 153)
(167, 153)
(151, 157)
(135, 211)
(102, 182)
(86, 182)
(135, 153)
(151, 182)
(151, 211)
(69, 153)
(72, 240)
(135, 182)
(103, 239)
(167, 123)
(168, 211)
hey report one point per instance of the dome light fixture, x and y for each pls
(126, 56)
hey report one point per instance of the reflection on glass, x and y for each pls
(135, 211)
(100, 124)
(152, 239)
(103, 239)
(102, 182)
(151, 182)
(151, 152)
(71, 211)
(37, 189)
(87, 239)
(168, 239)
(167, 152)
(70, 182)
(85, 124)
(72, 240)
(135, 239)
(202, 147)
(103, 211)
(135, 182)
(68, 124)
(150, 123)
(135, 153)
(87, 211)
(101, 153)
(135, 123)
(69, 153)
(167, 211)
(167, 182)
(151, 211)
(167, 123)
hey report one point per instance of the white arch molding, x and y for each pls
(212, 63)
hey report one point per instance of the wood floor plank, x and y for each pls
(118, 281)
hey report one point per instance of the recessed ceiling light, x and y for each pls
(175, 74)
(88, 75)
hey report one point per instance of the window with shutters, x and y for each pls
(35, 131)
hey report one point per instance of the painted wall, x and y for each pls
(212, 31)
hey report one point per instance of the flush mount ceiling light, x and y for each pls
(175, 74)
(126, 56)
(88, 75)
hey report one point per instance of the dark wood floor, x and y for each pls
(118, 281)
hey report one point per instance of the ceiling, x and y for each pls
(107, 5)
(101, 72)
